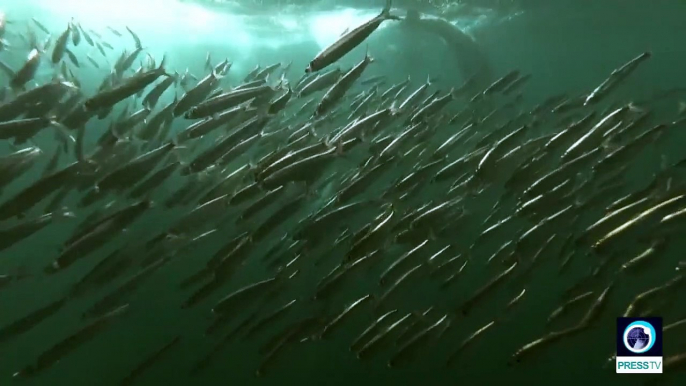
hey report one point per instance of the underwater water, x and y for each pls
(424, 197)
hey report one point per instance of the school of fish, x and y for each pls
(349, 195)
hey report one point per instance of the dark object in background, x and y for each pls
(472, 62)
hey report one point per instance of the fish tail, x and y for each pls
(386, 12)
(161, 68)
(327, 141)
(217, 75)
(454, 94)
(387, 8)
(339, 148)
(283, 81)
(393, 110)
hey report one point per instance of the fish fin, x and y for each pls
(369, 58)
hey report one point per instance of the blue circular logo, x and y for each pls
(639, 337)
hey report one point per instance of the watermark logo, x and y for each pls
(639, 345)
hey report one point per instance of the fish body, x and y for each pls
(349, 40)
(127, 88)
(61, 45)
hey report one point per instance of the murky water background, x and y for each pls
(564, 48)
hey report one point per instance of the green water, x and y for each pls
(569, 48)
